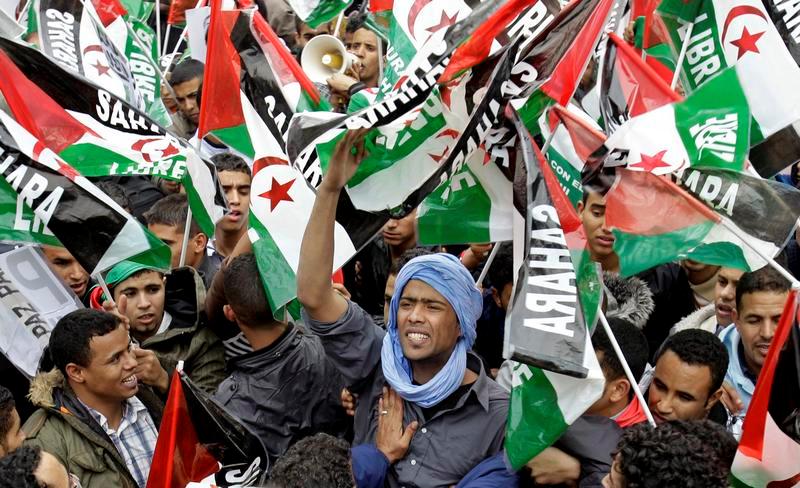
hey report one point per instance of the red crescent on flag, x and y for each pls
(93, 48)
(413, 13)
(787, 483)
(738, 11)
(139, 145)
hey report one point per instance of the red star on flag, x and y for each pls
(445, 21)
(67, 171)
(170, 150)
(101, 68)
(649, 163)
(439, 158)
(747, 43)
(278, 193)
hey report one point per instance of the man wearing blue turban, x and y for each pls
(458, 412)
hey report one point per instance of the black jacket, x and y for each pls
(673, 298)
(285, 392)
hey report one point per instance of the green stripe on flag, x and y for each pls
(535, 420)
(456, 212)
(640, 252)
(236, 137)
(22, 228)
(277, 275)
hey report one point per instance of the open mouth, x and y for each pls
(763, 349)
(234, 216)
(130, 381)
(78, 288)
(606, 241)
(417, 338)
(146, 319)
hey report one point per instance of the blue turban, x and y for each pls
(450, 278)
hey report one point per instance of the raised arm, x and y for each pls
(314, 288)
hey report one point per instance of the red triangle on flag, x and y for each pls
(36, 111)
(179, 457)
(644, 89)
(585, 139)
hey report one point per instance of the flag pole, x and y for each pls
(187, 228)
(681, 56)
(104, 286)
(628, 373)
(166, 40)
(487, 265)
(158, 27)
(338, 24)
(184, 33)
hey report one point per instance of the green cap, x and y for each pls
(123, 270)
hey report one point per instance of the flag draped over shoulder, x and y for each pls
(97, 231)
(100, 134)
(199, 442)
(770, 446)
(555, 375)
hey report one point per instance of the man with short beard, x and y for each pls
(760, 297)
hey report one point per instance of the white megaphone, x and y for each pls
(323, 56)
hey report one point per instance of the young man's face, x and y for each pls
(172, 235)
(725, 295)
(680, 391)
(145, 293)
(109, 375)
(14, 437)
(426, 324)
(756, 320)
(388, 291)
(401, 232)
(306, 33)
(593, 216)
(67, 268)
(365, 48)
(614, 478)
(502, 297)
(186, 96)
(237, 190)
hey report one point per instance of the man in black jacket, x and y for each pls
(286, 389)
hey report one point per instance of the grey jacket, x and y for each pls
(451, 441)
(285, 392)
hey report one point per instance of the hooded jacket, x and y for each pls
(704, 318)
(628, 299)
(285, 391)
(64, 428)
(188, 337)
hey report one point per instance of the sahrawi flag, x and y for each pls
(769, 450)
(711, 216)
(317, 12)
(629, 86)
(557, 296)
(552, 63)
(571, 143)
(97, 231)
(99, 134)
(474, 205)
(201, 445)
(710, 129)
(738, 32)
(252, 86)
(71, 34)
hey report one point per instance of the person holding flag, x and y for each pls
(423, 355)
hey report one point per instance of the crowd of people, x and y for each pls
(393, 375)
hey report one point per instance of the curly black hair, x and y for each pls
(314, 462)
(713, 435)
(701, 348)
(7, 406)
(69, 341)
(650, 457)
(16, 469)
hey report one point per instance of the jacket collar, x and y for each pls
(256, 361)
